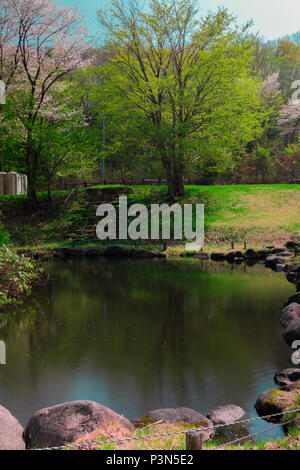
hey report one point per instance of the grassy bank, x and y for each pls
(257, 214)
(176, 441)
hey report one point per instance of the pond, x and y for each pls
(141, 335)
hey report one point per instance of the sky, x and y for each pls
(272, 18)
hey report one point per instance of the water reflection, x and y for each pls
(139, 335)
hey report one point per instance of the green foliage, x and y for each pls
(261, 445)
(191, 88)
(294, 432)
(4, 235)
(17, 274)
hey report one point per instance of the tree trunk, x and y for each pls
(31, 164)
(50, 195)
(31, 190)
(175, 174)
(175, 180)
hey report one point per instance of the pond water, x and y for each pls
(141, 335)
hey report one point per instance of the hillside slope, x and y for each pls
(257, 214)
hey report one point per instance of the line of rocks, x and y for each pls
(272, 257)
(66, 423)
(286, 397)
(111, 252)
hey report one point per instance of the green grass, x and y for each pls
(257, 214)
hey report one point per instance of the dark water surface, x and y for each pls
(141, 335)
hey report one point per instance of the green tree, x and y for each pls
(61, 137)
(189, 78)
(45, 43)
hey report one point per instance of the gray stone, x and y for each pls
(287, 377)
(292, 245)
(293, 278)
(263, 253)
(218, 256)
(278, 268)
(252, 254)
(291, 267)
(290, 313)
(184, 415)
(294, 298)
(265, 406)
(292, 332)
(225, 414)
(11, 432)
(273, 260)
(67, 422)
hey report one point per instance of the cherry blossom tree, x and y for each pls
(270, 89)
(289, 125)
(40, 44)
(289, 121)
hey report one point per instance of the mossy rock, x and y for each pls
(283, 400)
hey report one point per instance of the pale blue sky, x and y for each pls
(273, 18)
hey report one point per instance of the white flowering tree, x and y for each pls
(40, 44)
(289, 121)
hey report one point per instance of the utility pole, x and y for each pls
(103, 150)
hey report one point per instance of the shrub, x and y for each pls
(17, 275)
(4, 236)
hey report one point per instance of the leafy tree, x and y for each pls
(280, 57)
(45, 43)
(189, 78)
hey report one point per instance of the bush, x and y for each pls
(17, 275)
(4, 235)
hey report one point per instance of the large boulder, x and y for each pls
(251, 254)
(292, 245)
(290, 313)
(273, 260)
(282, 403)
(234, 255)
(263, 254)
(293, 278)
(218, 256)
(11, 432)
(265, 405)
(182, 415)
(114, 252)
(287, 377)
(225, 414)
(292, 268)
(65, 423)
(294, 298)
(292, 332)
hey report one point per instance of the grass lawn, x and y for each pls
(257, 214)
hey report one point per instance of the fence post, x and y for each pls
(194, 440)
